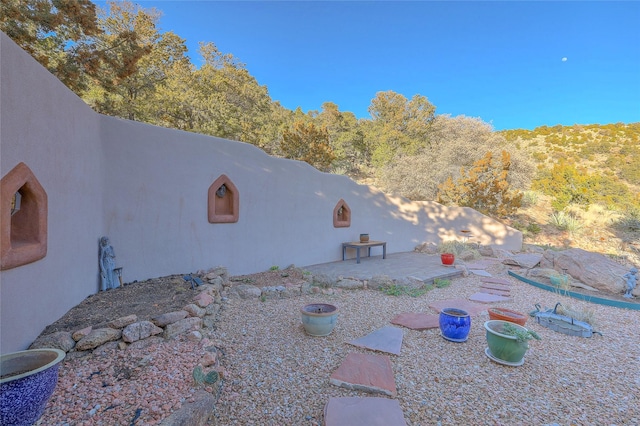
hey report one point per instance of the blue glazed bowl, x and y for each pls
(28, 381)
(455, 324)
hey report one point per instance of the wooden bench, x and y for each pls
(358, 245)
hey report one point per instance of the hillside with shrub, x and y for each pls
(586, 191)
(561, 186)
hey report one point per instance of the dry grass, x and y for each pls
(596, 230)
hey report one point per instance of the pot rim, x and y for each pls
(501, 311)
(487, 325)
(332, 309)
(60, 355)
(457, 312)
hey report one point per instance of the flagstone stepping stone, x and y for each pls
(497, 281)
(354, 411)
(417, 321)
(480, 272)
(488, 298)
(386, 339)
(366, 372)
(505, 293)
(472, 308)
(496, 286)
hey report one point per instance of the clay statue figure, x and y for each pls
(108, 277)
(632, 280)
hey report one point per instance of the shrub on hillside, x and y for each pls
(565, 222)
(484, 187)
(455, 143)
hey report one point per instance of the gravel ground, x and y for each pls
(277, 375)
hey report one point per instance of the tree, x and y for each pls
(56, 34)
(309, 143)
(345, 137)
(485, 188)
(398, 126)
(454, 143)
(136, 59)
(227, 100)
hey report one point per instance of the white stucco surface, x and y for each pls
(145, 187)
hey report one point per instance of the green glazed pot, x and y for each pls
(319, 319)
(503, 347)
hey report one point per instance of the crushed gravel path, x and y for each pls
(275, 374)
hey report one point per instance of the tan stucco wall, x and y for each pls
(146, 188)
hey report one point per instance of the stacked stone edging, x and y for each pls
(129, 329)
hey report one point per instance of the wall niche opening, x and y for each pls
(223, 201)
(341, 215)
(23, 218)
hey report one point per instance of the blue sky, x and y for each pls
(500, 61)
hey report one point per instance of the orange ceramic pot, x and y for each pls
(507, 315)
(447, 258)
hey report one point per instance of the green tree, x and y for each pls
(309, 143)
(455, 143)
(137, 59)
(398, 125)
(484, 187)
(567, 184)
(56, 33)
(345, 136)
(228, 101)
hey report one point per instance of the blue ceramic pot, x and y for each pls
(319, 319)
(28, 381)
(455, 324)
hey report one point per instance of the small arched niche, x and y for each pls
(23, 218)
(341, 215)
(224, 201)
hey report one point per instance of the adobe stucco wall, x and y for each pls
(146, 188)
(52, 131)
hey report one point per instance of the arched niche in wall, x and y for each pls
(224, 201)
(341, 215)
(23, 218)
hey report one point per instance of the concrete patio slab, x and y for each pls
(488, 298)
(472, 308)
(417, 321)
(354, 411)
(397, 266)
(366, 372)
(386, 339)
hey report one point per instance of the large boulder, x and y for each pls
(182, 326)
(97, 338)
(123, 321)
(195, 413)
(59, 340)
(245, 291)
(379, 281)
(169, 318)
(593, 269)
(140, 330)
